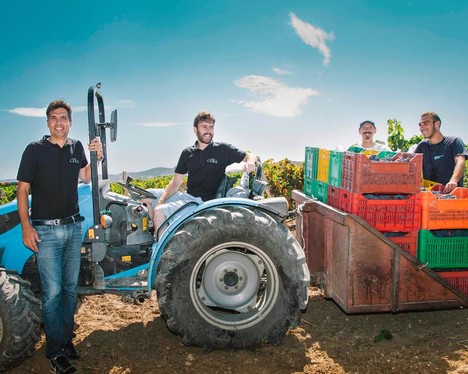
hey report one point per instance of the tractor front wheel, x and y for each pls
(232, 277)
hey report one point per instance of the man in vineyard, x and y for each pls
(51, 167)
(205, 162)
(367, 130)
(443, 156)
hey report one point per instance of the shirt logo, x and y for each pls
(74, 160)
(438, 157)
(212, 161)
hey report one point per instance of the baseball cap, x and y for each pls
(366, 121)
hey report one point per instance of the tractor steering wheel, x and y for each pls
(137, 190)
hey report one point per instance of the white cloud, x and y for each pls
(130, 104)
(156, 124)
(274, 97)
(313, 36)
(29, 112)
(280, 71)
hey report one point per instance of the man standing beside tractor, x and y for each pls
(444, 157)
(205, 162)
(51, 167)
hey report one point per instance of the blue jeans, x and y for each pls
(58, 258)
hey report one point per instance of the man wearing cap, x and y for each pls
(367, 130)
(444, 157)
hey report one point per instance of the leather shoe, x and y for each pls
(61, 365)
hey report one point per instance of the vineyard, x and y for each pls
(282, 176)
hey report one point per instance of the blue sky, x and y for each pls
(278, 75)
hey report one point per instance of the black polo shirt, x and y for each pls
(52, 172)
(206, 167)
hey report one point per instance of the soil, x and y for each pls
(116, 337)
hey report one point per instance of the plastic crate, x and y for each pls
(442, 212)
(408, 241)
(443, 252)
(458, 279)
(333, 196)
(336, 168)
(308, 187)
(362, 175)
(323, 165)
(320, 190)
(311, 162)
(384, 212)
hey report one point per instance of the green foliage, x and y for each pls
(7, 192)
(396, 139)
(283, 177)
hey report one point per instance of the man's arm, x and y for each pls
(94, 146)
(458, 173)
(250, 161)
(30, 236)
(171, 188)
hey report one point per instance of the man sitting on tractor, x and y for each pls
(205, 162)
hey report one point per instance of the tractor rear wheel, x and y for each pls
(232, 277)
(20, 320)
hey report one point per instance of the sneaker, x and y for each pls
(61, 365)
(71, 352)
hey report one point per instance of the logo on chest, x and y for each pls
(437, 158)
(74, 160)
(212, 161)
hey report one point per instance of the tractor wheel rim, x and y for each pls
(219, 271)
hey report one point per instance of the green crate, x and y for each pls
(335, 169)
(320, 190)
(448, 252)
(308, 187)
(388, 154)
(355, 149)
(311, 162)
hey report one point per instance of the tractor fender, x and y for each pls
(271, 206)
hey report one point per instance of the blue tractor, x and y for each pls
(228, 273)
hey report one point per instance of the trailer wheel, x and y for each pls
(20, 320)
(232, 277)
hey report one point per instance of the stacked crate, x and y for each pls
(383, 188)
(316, 173)
(443, 238)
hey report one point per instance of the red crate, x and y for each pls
(386, 214)
(458, 279)
(362, 175)
(333, 196)
(408, 241)
(441, 212)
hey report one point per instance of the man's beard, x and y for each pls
(205, 138)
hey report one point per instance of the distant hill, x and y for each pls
(150, 173)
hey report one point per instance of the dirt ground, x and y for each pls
(115, 337)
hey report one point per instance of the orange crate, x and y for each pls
(408, 241)
(323, 165)
(458, 279)
(442, 212)
(385, 212)
(362, 175)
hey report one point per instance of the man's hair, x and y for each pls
(435, 116)
(59, 104)
(204, 116)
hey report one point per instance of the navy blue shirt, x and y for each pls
(439, 159)
(206, 167)
(53, 173)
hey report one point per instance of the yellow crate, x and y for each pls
(323, 165)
